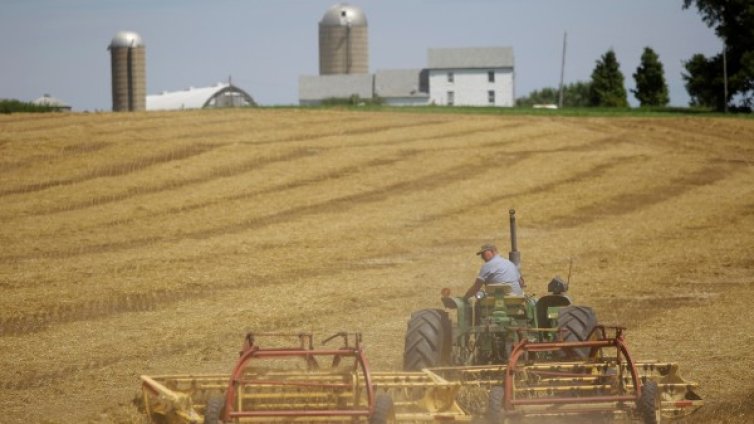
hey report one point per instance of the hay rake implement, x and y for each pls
(608, 383)
(297, 383)
(304, 384)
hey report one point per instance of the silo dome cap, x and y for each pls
(126, 39)
(343, 14)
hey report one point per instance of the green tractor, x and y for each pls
(484, 333)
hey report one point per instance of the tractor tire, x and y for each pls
(428, 340)
(213, 412)
(648, 404)
(383, 410)
(575, 324)
(495, 411)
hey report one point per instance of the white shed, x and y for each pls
(219, 95)
(51, 102)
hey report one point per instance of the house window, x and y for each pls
(491, 76)
(491, 97)
(451, 98)
(451, 77)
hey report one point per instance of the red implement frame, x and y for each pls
(524, 346)
(251, 352)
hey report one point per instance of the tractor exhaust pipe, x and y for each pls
(514, 255)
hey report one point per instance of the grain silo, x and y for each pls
(128, 71)
(343, 47)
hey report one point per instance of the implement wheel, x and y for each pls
(383, 410)
(214, 410)
(649, 404)
(575, 324)
(428, 340)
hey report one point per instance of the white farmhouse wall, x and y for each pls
(471, 87)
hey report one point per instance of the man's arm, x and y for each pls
(474, 288)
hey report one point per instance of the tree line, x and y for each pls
(606, 88)
(721, 82)
(13, 105)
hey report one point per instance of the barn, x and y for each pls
(218, 96)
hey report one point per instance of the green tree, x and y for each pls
(577, 94)
(704, 81)
(733, 22)
(651, 89)
(574, 95)
(607, 83)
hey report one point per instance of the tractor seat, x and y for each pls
(495, 288)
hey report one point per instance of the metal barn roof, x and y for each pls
(401, 83)
(219, 95)
(50, 101)
(470, 57)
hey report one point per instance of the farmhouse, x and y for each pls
(219, 95)
(471, 76)
(481, 76)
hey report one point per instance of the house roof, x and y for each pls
(191, 98)
(470, 57)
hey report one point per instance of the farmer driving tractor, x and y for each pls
(498, 271)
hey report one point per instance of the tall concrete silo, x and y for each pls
(128, 71)
(343, 43)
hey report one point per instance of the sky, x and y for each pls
(59, 47)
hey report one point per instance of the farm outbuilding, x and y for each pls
(51, 102)
(217, 96)
(402, 87)
(396, 87)
(313, 89)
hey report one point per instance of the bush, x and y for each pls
(574, 95)
(354, 100)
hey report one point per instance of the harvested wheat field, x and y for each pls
(149, 243)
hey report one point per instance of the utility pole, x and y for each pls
(348, 47)
(562, 71)
(725, 75)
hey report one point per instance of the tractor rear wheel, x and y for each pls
(383, 410)
(214, 410)
(428, 340)
(575, 324)
(649, 404)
